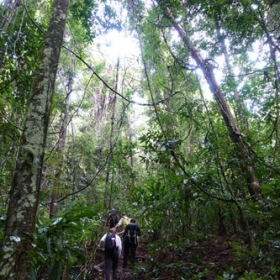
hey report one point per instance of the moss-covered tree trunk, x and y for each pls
(24, 193)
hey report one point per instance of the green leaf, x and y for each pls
(56, 271)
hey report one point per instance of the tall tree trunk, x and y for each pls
(60, 148)
(239, 104)
(243, 153)
(271, 28)
(24, 193)
(108, 198)
(9, 12)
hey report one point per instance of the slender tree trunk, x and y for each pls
(9, 12)
(243, 153)
(24, 193)
(223, 173)
(107, 202)
(271, 28)
(239, 104)
(60, 149)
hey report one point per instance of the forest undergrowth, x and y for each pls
(222, 257)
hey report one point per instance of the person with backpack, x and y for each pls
(123, 222)
(130, 241)
(112, 219)
(112, 251)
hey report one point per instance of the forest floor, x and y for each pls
(201, 260)
(219, 258)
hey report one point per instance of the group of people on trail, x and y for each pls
(113, 244)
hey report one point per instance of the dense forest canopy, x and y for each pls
(175, 122)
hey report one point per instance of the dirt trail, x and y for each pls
(130, 273)
(211, 255)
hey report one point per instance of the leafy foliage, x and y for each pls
(83, 12)
(178, 174)
(62, 241)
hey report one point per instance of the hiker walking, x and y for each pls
(130, 241)
(112, 219)
(123, 222)
(113, 248)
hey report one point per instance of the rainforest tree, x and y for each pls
(25, 187)
(199, 152)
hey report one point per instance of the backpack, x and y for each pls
(113, 220)
(110, 243)
(132, 235)
(126, 221)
